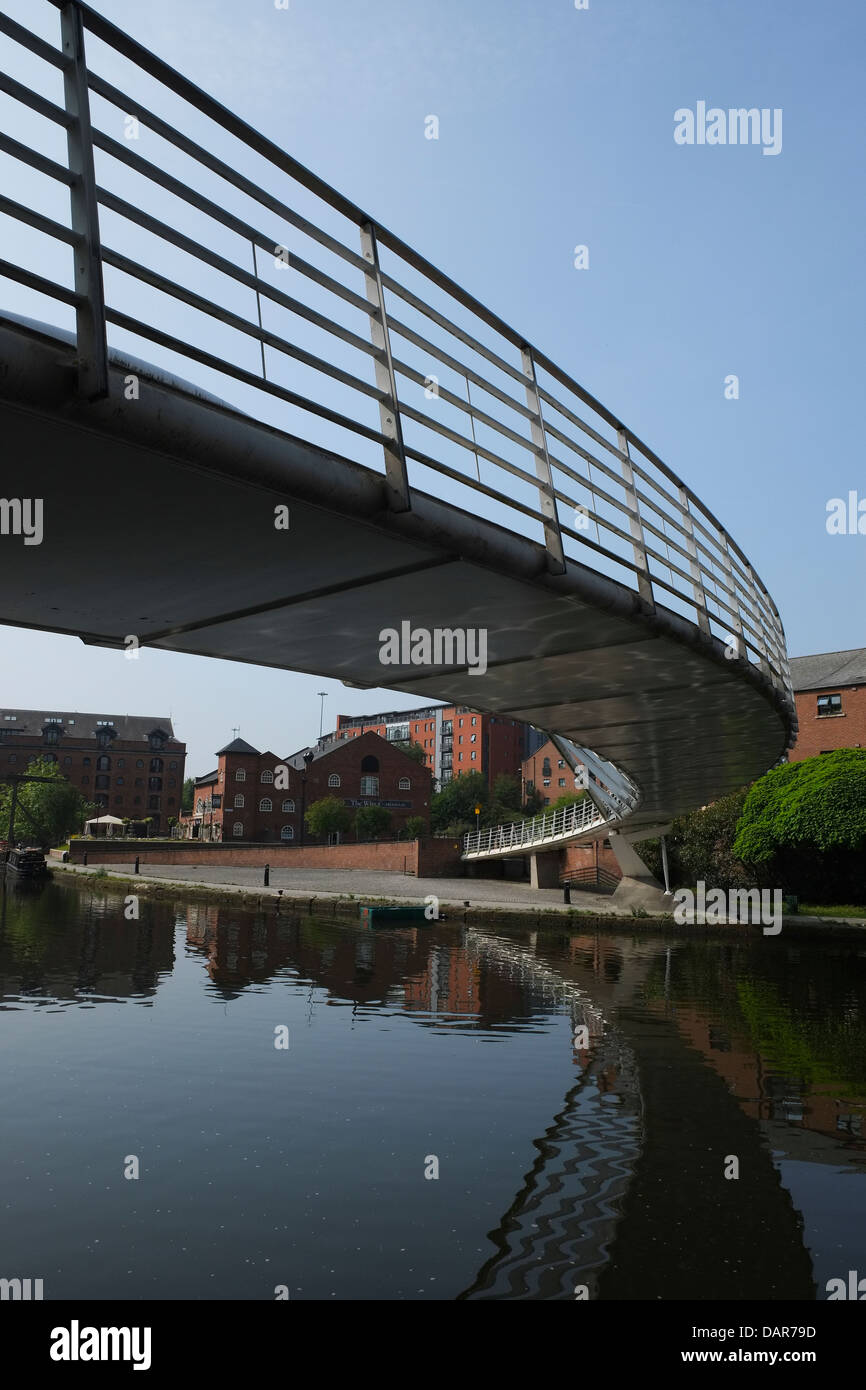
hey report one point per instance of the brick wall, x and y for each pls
(823, 733)
(425, 858)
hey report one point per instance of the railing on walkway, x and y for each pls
(562, 824)
(189, 233)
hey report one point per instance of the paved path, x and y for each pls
(366, 883)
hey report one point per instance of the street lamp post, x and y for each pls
(322, 696)
(308, 758)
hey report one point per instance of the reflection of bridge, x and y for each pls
(368, 412)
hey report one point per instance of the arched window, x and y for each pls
(369, 764)
(239, 802)
(265, 804)
(240, 774)
(334, 779)
(404, 785)
(288, 804)
(238, 829)
(103, 764)
(287, 832)
(267, 775)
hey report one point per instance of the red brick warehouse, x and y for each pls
(261, 797)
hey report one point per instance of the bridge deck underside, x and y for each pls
(159, 522)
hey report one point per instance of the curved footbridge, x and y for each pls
(260, 427)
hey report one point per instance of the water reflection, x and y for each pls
(598, 1164)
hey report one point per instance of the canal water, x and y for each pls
(320, 1111)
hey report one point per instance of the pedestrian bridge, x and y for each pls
(261, 427)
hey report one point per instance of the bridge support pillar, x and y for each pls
(544, 870)
(638, 887)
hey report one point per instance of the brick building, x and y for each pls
(547, 772)
(830, 692)
(261, 797)
(129, 765)
(455, 739)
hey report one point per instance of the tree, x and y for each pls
(453, 808)
(371, 822)
(507, 791)
(416, 828)
(701, 847)
(568, 799)
(328, 816)
(47, 812)
(413, 751)
(804, 825)
(187, 796)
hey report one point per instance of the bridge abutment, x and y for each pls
(638, 887)
(544, 869)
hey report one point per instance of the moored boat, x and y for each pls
(26, 862)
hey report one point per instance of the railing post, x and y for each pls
(552, 533)
(396, 473)
(644, 584)
(732, 584)
(694, 563)
(90, 312)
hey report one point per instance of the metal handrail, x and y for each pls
(560, 824)
(544, 433)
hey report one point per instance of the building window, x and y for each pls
(171, 801)
(829, 704)
(153, 803)
(265, 804)
(240, 774)
(267, 776)
(404, 784)
(369, 786)
(139, 781)
(172, 781)
(85, 779)
(474, 720)
(238, 829)
(67, 762)
(139, 762)
(239, 802)
(334, 780)
(118, 801)
(118, 781)
(103, 764)
(154, 784)
(156, 764)
(562, 781)
(136, 801)
(472, 738)
(369, 764)
(199, 806)
(288, 805)
(287, 832)
(459, 757)
(472, 754)
(101, 781)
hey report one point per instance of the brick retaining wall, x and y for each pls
(423, 858)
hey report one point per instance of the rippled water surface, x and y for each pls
(582, 1094)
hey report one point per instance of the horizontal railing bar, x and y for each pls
(600, 521)
(232, 320)
(32, 41)
(236, 272)
(27, 97)
(473, 447)
(218, 166)
(218, 364)
(228, 219)
(584, 539)
(38, 282)
(429, 462)
(38, 220)
(441, 356)
(481, 416)
(37, 160)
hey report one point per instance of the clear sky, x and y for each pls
(556, 129)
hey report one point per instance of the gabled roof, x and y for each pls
(134, 728)
(829, 668)
(207, 779)
(239, 745)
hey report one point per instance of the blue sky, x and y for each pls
(556, 129)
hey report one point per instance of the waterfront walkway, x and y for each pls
(364, 883)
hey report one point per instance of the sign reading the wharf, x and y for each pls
(368, 801)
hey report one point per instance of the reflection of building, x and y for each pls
(830, 691)
(260, 797)
(129, 765)
(455, 739)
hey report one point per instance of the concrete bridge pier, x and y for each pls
(544, 869)
(638, 887)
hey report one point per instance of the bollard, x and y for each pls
(84, 860)
(566, 893)
(136, 864)
(267, 875)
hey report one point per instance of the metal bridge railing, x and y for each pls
(188, 231)
(552, 825)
